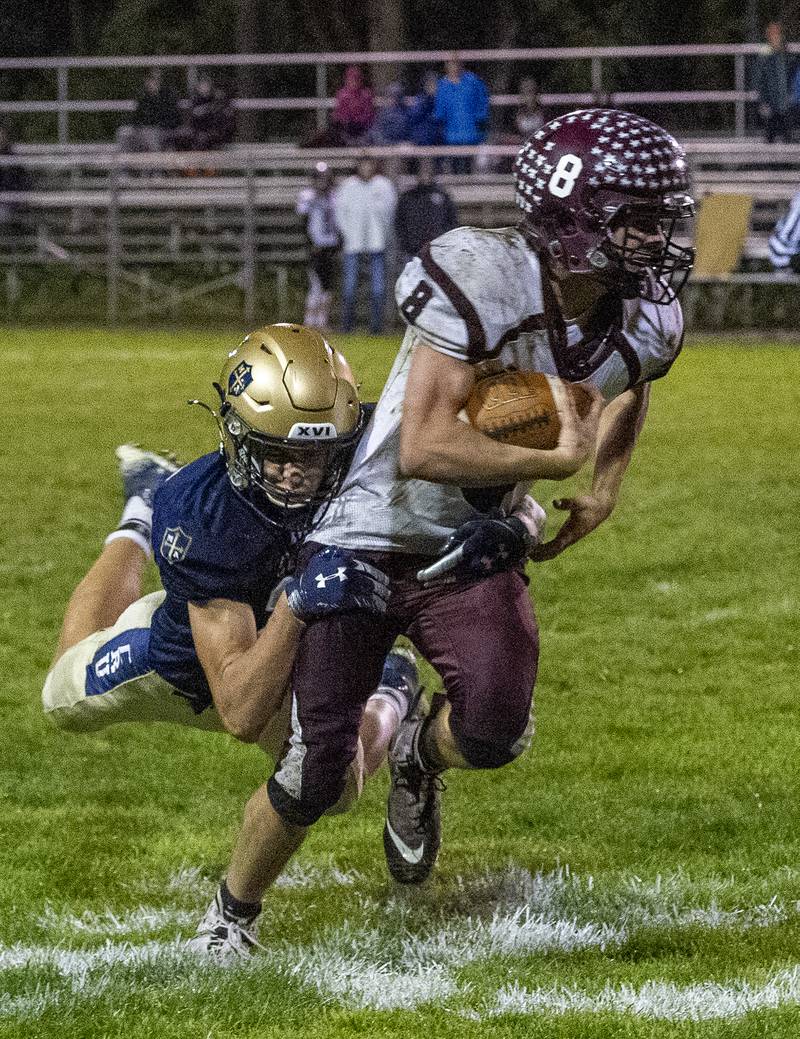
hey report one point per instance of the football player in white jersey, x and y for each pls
(584, 288)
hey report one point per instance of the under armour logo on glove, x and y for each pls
(340, 575)
(334, 581)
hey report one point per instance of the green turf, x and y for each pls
(666, 746)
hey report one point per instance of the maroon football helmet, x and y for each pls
(603, 192)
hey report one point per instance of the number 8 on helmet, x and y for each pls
(605, 192)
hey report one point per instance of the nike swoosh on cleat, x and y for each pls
(411, 855)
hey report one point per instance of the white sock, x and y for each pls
(395, 700)
(136, 508)
(132, 535)
(135, 524)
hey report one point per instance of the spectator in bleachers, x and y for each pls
(210, 118)
(530, 116)
(391, 123)
(155, 119)
(784, 242)
(773, 73)
(12, 178)
(354, 112)
(364, 206)
(315, 206)
(462, 107)
(423, 213)
(423, 128)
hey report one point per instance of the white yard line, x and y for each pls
(142, 920)
(382, 965)
(667, 1002)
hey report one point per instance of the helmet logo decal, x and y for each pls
(240, 378)
(313, 431)
(175, 544)
(565, 174)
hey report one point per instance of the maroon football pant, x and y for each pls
(482, 638)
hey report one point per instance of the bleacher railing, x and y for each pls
(64, 69)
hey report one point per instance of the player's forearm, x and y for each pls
(252, 684)
(456, 453)
(616, 440)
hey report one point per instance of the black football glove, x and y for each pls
(335, 582)
(482, 547)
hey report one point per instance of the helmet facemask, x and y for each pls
(640, 251)
(286, 479)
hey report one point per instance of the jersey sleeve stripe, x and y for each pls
(628, 355)
(476, 337)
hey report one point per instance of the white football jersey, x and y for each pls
(479, 295)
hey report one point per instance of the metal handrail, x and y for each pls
(62, 106)
(379, 57)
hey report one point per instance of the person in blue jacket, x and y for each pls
(462, 107)
(424, 130)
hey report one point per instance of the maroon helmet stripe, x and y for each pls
(476, 337)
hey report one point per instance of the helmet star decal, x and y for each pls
(587, 180)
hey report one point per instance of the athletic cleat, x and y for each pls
(400, 679)
(143, 472)
(221, 938)
(412, 832)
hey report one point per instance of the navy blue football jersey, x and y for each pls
(209, 543)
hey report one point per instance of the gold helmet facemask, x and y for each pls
(290, 419)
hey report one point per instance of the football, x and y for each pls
(519, 408)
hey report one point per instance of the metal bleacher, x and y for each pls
(135, 221)
(159, 230)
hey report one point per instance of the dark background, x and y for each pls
(84, 27)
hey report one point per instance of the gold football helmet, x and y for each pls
(289, 419)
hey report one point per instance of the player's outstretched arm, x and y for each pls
(620, 425)
(247, 670)
(436, 445)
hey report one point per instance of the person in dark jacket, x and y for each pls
(211, 120)
(773, 76)
(391, 123)
(155, 119)
(423, 213)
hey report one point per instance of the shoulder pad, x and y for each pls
(468, 287)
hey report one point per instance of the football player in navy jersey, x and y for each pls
(584, 288)
(215, 648)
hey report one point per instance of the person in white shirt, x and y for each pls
(784, 242)
(315, 205)
(364, 209)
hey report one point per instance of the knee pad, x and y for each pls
(486, 753)
(63, 716)
(304, 805)
(482, 754)
(354, 784)
(304, 810)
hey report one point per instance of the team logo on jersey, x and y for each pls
(175, 544)
(240, 378)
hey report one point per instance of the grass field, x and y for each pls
(636, 874)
